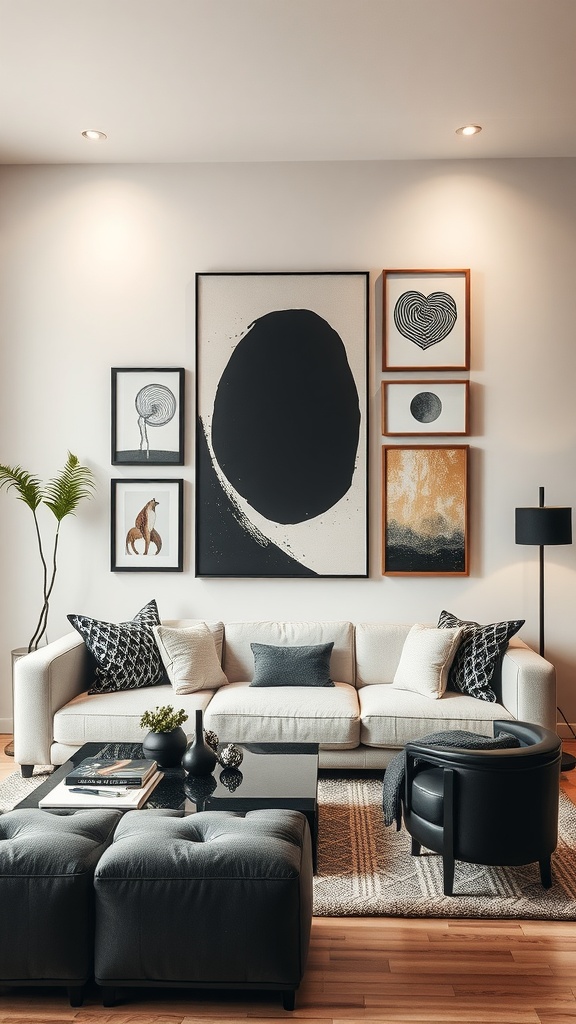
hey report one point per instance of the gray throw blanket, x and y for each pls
(394, 776)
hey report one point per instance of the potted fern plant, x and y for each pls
(62, 495)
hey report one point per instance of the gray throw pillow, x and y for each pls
(480, 650)
(292, 666)
(124, 655)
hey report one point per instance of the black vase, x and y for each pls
(199, 758)
(165, 747)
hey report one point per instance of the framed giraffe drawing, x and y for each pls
(146, 525)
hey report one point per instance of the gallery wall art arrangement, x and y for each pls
(282, 432)
(282, 424)
(426, 327)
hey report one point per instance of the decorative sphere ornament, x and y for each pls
(231, 778)
(211, 739)
(231, 756)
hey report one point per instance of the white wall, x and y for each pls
(98, 269)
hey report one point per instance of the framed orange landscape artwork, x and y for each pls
(425, 510)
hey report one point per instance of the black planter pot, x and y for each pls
(199, 758)
(166, 748)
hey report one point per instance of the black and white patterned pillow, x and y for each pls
(479, 652)
(125, 655)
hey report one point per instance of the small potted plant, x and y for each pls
(166, 741)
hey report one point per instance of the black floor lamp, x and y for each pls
(542, 526)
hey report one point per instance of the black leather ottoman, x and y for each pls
(47, 866)
(212, 900)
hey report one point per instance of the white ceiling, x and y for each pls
(175, 81)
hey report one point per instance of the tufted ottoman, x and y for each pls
(212, 900)
(47, 866)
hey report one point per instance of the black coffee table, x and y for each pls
(272, 775)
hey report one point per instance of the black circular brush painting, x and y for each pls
(286, 419)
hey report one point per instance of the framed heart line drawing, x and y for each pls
(426, 320)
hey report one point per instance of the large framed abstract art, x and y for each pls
(425, 510)
(426, 320)
(282, 424)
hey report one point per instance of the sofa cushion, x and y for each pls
(426, 659)
(190, 658)
(124, 655)
(392, 717)
(285, 714)
(480, 651)
(238, 661)
(292, 666)
(216, 628)
(115, 717)
(379, 646)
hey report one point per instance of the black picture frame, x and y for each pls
(128, 539)
(282, 431)
(147, 406)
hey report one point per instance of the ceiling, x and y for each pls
(174, 81)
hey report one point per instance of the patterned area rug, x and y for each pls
(365, 869)
(14, 788)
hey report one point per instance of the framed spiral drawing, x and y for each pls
(147, 416)
(426, 320)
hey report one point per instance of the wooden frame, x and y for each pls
(147, 409)
(282, 424)
(146, 521)
(425, 510)
(426, 320)
(412, 408)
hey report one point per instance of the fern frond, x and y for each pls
(65, 491)
(28, 487)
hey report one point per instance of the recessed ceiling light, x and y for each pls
(93, 136)
(469, 129)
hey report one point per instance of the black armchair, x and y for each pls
(497, 807)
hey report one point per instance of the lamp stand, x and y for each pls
(568, 762)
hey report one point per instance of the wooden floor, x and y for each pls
(370, 969)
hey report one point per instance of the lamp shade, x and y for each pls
(546, 525)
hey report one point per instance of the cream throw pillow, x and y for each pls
(190, 658)
(426, 659)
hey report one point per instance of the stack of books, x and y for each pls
(95, 782)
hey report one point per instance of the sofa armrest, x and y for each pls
(529, 685)
(44, 681)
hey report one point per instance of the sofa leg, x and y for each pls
(108, 996)
(415, 848)
(289, 999)
(75, 995)
(26, 770)
(448, 871)
(546, 872)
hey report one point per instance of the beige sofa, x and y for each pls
(359, 723)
